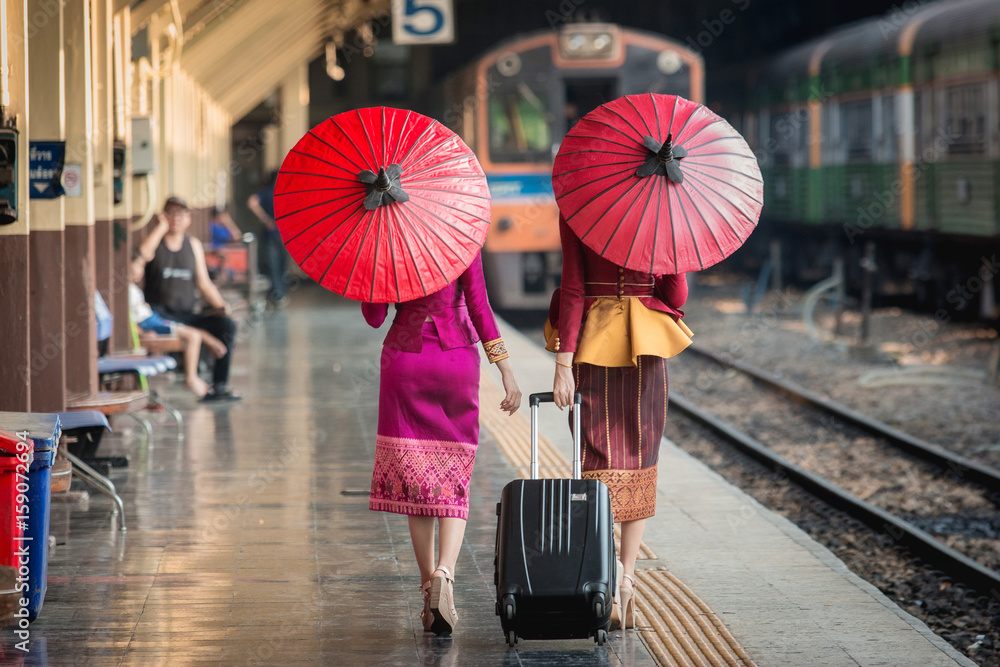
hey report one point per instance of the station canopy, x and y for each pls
(240, 50)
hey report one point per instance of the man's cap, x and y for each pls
(174, 200)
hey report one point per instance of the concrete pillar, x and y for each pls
(122, 211)
(47, 249)
(111, 279)
(81, 343)
(15, 341)
(270, 136)
(294, 107)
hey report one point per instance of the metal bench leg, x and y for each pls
(101, 483)
(146, 426)
(155, 399)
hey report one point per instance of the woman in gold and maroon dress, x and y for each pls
(616, 329)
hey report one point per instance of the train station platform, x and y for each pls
(250, 541)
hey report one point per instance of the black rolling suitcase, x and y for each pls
(555, 551)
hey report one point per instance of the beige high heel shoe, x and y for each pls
(426, 616)
(442, 602)
(628, 604)
(616, 616)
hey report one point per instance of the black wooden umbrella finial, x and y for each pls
(662, 159)
(383, 188)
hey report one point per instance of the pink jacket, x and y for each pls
(461, 313)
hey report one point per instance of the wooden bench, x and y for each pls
(109, 403)
(112, 403)
(161, 343)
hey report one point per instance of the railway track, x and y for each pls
(919, 542)
(955, 464)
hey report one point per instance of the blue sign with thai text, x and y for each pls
(45, 167)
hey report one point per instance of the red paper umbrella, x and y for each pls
(382, 205)
(657, 183)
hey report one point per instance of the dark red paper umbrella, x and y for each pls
(382, 205)
(657, 183)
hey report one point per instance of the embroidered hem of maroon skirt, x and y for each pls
(633, 492)
(422, 477)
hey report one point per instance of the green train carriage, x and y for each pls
(887, 130)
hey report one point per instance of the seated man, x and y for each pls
(175, 267)
(152, 324)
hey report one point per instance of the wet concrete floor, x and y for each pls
(250, 541)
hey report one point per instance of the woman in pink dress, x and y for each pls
(428, 423)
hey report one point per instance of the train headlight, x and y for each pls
(669, 61)
(504, 224)
(589, 40)
(509, 64)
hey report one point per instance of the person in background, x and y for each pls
(151, 323)
(222, 231)
(175, 269)
(262, 205)
(222, 228)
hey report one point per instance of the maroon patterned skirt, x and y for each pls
(624, 412)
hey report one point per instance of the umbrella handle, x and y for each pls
(662, 159)
(383, 188)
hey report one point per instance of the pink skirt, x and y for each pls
(428, 429)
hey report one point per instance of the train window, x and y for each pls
(965, 122)
(889, 124)
(857, 129)
(782, 139)
(520, 127)
(391, 71)
(964, 193)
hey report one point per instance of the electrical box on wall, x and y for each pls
(142, 145)
(118, 171)
(8, 175)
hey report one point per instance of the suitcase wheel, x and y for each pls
(601, 637)
(509, 610)
(598, 608)
(512, 638)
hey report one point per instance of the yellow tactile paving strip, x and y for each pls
(674, 624)
(678, 628)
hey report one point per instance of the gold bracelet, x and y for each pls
(569, 366)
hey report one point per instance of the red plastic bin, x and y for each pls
(15, 457)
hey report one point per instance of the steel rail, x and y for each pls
(956, 464)
(923, 544)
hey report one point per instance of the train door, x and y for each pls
(583, 96)
(541, 271)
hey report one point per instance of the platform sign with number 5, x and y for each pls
(423, 21)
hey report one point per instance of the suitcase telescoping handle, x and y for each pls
(546, 397)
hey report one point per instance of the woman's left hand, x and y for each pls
(512, 401)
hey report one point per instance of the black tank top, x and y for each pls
(170, 279)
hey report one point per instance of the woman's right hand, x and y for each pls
(563, 386)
